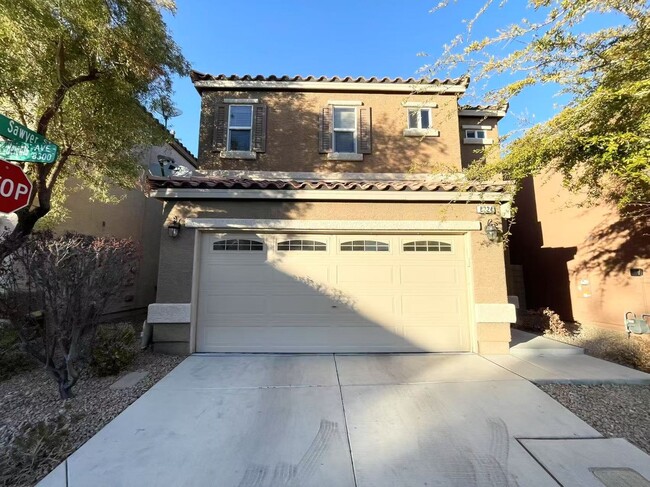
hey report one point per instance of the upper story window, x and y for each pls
(239, 128)
(345, 131)
(477, 134)
(419, 118)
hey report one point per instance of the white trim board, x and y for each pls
(326, 195)
(333, 226)
(482, 113)
(334, 176)
(330, 86)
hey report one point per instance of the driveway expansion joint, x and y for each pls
(345, 421)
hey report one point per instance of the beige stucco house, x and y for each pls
(320, 220)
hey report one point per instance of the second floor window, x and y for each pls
(239, 130)
(419, 118)
(240, 127)
(475, 134)
(345, 129)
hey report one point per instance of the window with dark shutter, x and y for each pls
(364, 131)
(220, 133)
(325, 131)
(259, 128)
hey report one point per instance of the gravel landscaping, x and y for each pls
(32, 397)
(618, 411)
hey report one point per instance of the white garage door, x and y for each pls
(326, 293)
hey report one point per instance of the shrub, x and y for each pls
(545, 320)
(114, 349)
(56, 289)
(12, 358)
(34, 450)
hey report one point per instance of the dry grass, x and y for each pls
(610, 345)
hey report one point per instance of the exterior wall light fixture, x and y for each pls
(174, 228)
(491, 231)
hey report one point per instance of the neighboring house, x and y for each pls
(585, 263)
(136, 216)
(316, 222)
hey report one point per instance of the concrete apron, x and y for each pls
(346, 420)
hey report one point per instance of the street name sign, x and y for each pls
(12, 130)
(22, 151)
(15, 188)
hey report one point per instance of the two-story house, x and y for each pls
(331, 215)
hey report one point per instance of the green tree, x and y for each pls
(600, 141)
(80, 72)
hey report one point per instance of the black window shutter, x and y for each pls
(364, 131)
(325, 131)
(259, 128)
(220, 133)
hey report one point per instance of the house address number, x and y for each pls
(486, 209)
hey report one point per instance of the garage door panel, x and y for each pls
(322, 301)
(444, 273)
(366, 274)
(297, 339)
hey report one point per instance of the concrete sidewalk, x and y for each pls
(347, 420)
(545, 361)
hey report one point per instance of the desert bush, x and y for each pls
(114, 349)
(12, 358)
(56, 289)
(34, 450)
(545, 320)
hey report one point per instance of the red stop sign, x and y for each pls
(15, 188)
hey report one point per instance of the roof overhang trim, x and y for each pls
(328, 86)
(328, 195)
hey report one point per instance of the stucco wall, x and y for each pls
(578, 260)
(136, 216)
(292, 133)
(472, 152)
(175, 276)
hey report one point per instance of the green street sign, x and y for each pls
(22, 151)
(25, 143)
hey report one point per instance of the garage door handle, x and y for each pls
(334, 306)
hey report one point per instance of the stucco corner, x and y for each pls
(169, 313)
(495, 313)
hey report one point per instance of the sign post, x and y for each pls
(15, 188)
(25, 144)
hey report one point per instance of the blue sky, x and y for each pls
(344, 38)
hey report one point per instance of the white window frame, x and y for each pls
(419, 118)
(237, 127)
(419, 131)
(471, 136)
(353, 130)
(475, 133)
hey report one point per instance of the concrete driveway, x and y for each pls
(346, 420)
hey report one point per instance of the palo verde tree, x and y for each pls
(600, 141)
(79, 72)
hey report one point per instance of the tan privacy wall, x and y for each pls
(293, 127)
(579, 261)
(487, 283)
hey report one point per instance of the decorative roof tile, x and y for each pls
(211, 182)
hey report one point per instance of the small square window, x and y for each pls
(419, 118)
(475, 134)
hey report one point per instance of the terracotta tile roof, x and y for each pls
(211, 182)
(485, 107)
(198, 76)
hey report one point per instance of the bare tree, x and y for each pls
(54, 292)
